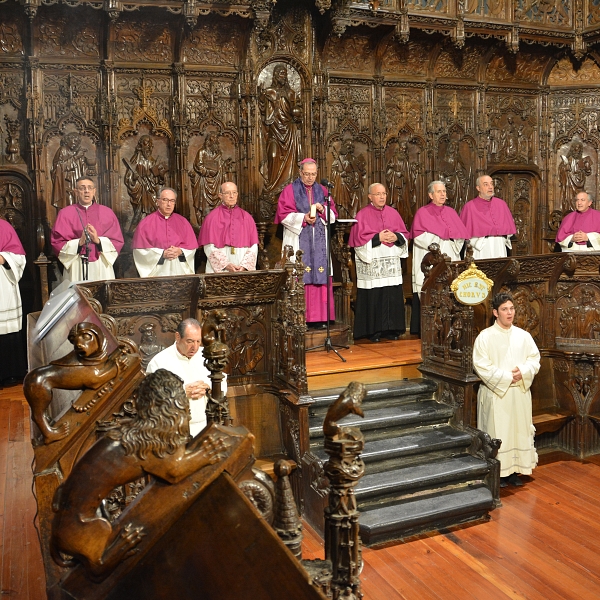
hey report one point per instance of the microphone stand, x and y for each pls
(327, 344)
(85, 257)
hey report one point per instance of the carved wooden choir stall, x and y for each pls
(128, 505)
(557, 299)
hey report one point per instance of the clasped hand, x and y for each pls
(172, 252)
(387, 236)
(580, 236)
(92, 233)
(196, 389)
(516, 374)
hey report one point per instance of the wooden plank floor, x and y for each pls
(542, 544)
(365, 362)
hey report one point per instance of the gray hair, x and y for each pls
(589, 196)
(479, 179)
(430, 186)
(166, 189)
(373, 185)
(185, 324)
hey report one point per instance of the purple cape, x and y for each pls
(9, 240)
(442, 221)
(154, 231)
(588, 222)
(68, 226)
(228, 227)
(295, 199)
(372, 221)
(482, 217)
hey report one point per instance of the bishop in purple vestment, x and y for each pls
(306, 228)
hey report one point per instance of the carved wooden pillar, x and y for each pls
(344, 469)
(216, 356)
(286, 521)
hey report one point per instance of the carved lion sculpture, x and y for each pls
(154, 442)
(86, 367)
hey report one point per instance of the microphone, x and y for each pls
(327, 184)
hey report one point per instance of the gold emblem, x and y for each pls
(321, 269)
(308, 269)
(472, 286)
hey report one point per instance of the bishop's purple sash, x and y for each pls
(312, 238)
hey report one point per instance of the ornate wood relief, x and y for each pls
(142, 40)
(213, 42)
(11, 42)
(520, 68)
(59, 35)
(406, 59)
(367, 107)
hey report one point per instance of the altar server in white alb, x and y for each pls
(506, 359)
(186, 360)
(12, 264)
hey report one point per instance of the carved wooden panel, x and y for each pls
(520, 191)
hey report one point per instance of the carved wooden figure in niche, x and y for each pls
(144, 177)
(69, 164)
(582, 320)
(149, 345)
(401, 176)
(348, 172)
(155, 442)
(573, 170)
(210, 171)
(13, 149)
(454, 173)
(87, 366)
(281, 113)
(509, 141)
(525, 315)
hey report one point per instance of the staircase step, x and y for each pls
(406, 415)
(409, 390)
(424, 513)
(427, 440)
(379, 486)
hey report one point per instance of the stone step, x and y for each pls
(408, 390)
(411, 414)
(423, 441)
(381, 487)
(401, 520)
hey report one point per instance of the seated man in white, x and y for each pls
(184, 360)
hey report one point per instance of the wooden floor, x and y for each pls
(542, 544)
(365, 362)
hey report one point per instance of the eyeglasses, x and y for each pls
(167, 200)
(380, 194)
(228, 193)
(84, 188)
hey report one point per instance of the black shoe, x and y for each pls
(503, 482)
(514, 480)
(376, 337)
